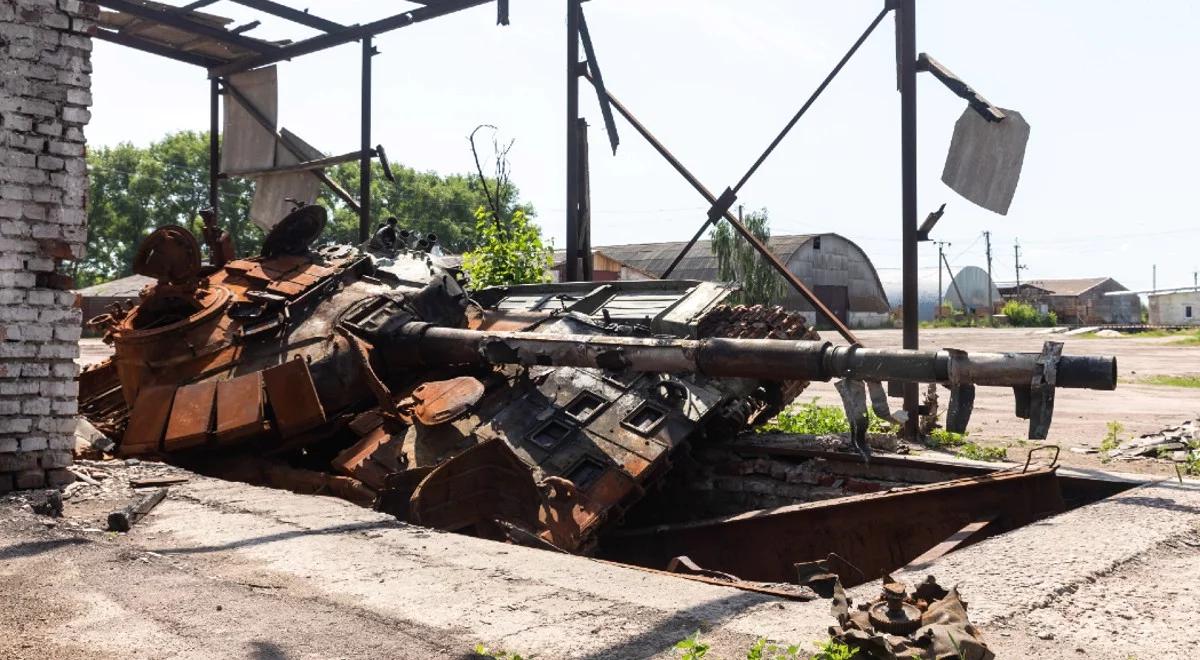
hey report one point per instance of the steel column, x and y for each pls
(364, 159)
(906, 54)
(214, 146)
(571, 266)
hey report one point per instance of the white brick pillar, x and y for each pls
(45, 62)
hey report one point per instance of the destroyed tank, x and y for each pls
(532, 413)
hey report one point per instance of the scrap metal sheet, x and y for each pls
(271, 191)
(985, 158)
(245, 144)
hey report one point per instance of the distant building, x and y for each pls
(1175, 308)
(96, 298)
(976, 290)
(1082, 301)
(837, 270)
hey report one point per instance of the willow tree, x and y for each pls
(738, 261)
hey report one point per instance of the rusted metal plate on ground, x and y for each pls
(239, 408)
(191, 416)
(147, 420)
(293, 397)
(467, 492)
(439, 401)
(876, 532)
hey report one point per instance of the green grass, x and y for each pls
(958, 444)
(814, 419)
(693, 648)
(1167, 380)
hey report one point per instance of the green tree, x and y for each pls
(424, 202)
(738, 261)
(511, 251)
(132, 190)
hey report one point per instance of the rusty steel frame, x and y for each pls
(903, 524)
(762, 249)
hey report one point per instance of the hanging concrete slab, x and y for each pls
(271, 191)
(246, 145)
(984, 163)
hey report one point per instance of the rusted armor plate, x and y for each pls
(239, 408)
(468, 491)
(191, 416)
(293, 397)
(440, 401)
(147, 420)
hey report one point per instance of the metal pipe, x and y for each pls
(364, 159)
(571, 267)
(906, 53)
(421, 344)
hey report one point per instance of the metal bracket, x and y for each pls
(1041, 390)
(879, 404)
(1029, 456)
(960, 88)
(854, 400)
(962, 403)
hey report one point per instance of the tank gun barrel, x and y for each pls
(765, 359)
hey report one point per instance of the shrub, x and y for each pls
(1024, 315)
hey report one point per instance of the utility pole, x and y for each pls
(987, 241)
(1017, 259)
(1154, 278)
(1196, 280)
(740, 213)
(941, 257)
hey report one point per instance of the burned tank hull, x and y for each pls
(534, 413)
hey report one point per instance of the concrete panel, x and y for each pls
(245, 144)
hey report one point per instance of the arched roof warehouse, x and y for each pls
(830, 264)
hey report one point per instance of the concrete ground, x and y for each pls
(225, 570)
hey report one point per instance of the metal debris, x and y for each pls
(927, 622)
(538, 414)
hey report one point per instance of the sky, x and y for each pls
(1110, 176)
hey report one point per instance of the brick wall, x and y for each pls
(45, 62)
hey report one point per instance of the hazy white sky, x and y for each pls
(1110, 179)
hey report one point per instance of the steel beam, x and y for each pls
(906, 54)
(351, 33)
(762, 249)
(214, 147)
(178, 20)
(364, 159)
(293, 15)
(571, 265)
(155, 48)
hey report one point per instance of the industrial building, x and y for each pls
(1079, 301)
(836, 269)
(1181, 307)
(973, 291)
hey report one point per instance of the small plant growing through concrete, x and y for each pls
(482, 652)
(691, 648)
(1112, 439)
